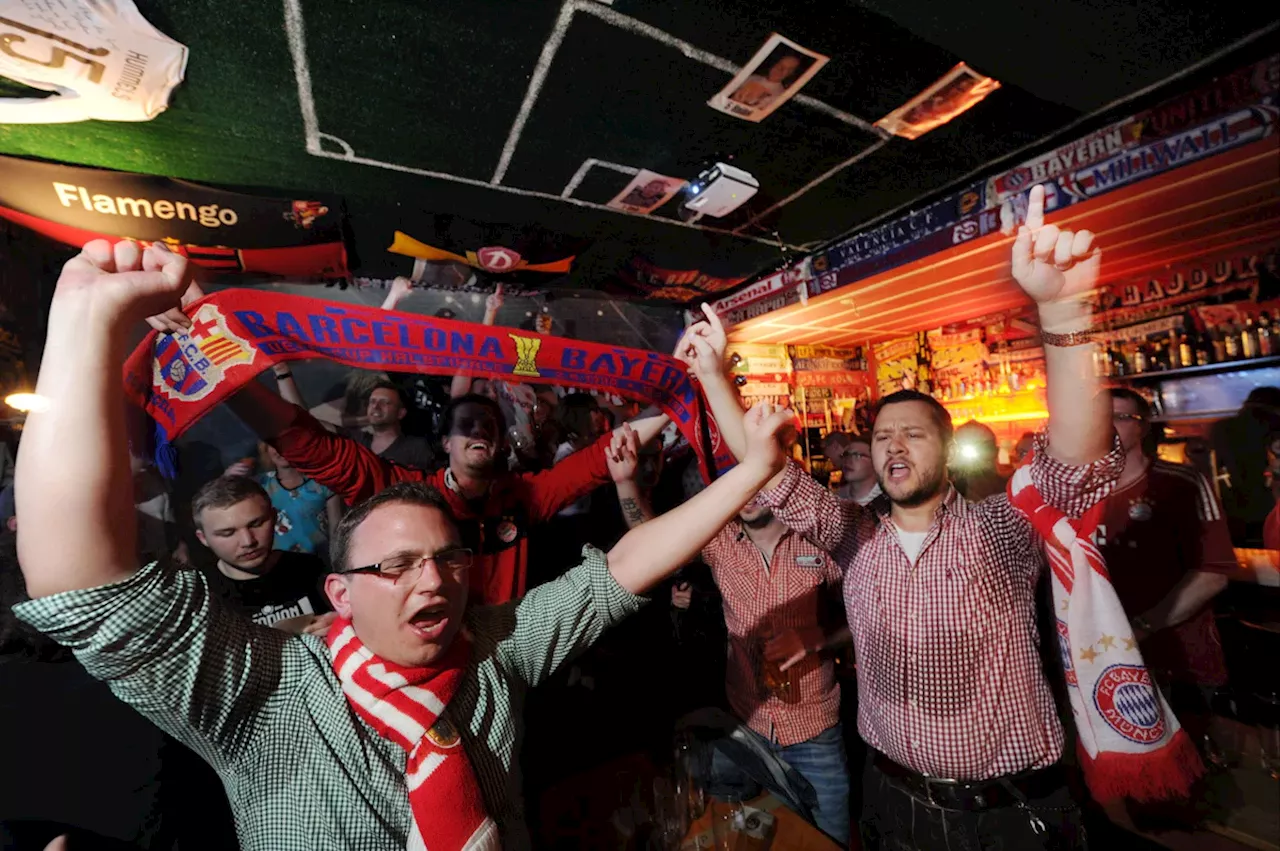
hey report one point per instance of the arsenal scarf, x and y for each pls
(235, 334)
(1131, 745)
(405, 705)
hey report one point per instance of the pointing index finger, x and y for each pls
(1035, 209)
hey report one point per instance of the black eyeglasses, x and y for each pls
(454, 562)
(1136, 418)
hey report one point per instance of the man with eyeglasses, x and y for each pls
(1167, 548)
(857, 475)
(398, 729)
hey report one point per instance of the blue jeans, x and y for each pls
(820, 760)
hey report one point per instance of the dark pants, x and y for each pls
(895, 820)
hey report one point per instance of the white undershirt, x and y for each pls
(911, 542)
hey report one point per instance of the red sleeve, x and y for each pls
(574, 477)
(1216, 553)
(339, 463)
(1271, 530)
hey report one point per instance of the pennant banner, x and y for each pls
(236, 334)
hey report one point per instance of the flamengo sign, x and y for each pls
(209, 215)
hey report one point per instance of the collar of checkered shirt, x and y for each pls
(952, 503)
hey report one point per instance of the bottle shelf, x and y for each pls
(1155, 376)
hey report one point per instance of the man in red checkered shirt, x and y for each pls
(774, 584)
(940, 592)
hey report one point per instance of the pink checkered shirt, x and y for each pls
(949, 674)
(786, 594)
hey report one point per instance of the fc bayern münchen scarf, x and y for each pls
(406, 705)
(236, 334)
(1131, 745)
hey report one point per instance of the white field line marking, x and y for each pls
(630, 24)
(531, 193)
(586, 166)
(294, 31)
(835, 169)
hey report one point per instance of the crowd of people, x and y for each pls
(345, 629)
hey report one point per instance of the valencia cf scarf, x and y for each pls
(1131, 745)
(406, 705)
(236, 334)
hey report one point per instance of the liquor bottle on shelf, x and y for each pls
(1186, 351)
(1141, 363)
(1218, 348)
(1159, 359)
(1266, 336)
(1248, 339)
(1231, 342)
(1119, 366)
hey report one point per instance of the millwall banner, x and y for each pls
(222, 231)
(236, 334)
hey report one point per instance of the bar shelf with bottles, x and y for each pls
(1180, 347)
(1005, 387)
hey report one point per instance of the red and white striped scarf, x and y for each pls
(1131, 745)
(406, 705)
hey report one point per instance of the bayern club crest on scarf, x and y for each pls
(1131, 744)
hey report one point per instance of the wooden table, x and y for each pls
(791, 832)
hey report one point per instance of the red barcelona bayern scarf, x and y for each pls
(236, 334)
(406, 705)
(1131, 745)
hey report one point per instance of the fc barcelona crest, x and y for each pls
(190, 363)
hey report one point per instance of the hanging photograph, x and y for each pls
(646, 192)
(779, 69)
(959, 90)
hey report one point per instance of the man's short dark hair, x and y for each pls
(1141, 405)
(224, 492)
(1265, 396)
(940, 415)
(575, 414)
(393, 387)
(408, 493)
(451, 410)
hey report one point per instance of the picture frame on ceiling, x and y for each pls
(646, 192)
(958, 91)
(777, 71)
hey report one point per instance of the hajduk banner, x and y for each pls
(222, 231)
(236, 334)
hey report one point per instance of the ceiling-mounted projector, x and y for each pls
(720, 190)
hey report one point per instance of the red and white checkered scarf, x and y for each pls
(406, 705)
(1131, 745)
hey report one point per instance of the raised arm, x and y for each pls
(461, 384)
(74, 457)
(623, 458)
(650, 552)
(702, 350)
(286, 385)
(584, 470)
(1059, 269)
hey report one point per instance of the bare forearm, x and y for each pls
(1079, 412)
(727, 410)
(635, 505)
(73, 464)
(1186, 598)
(650, 552)
(648, 428)
(287, 386)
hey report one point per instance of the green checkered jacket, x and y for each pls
(265, 709)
